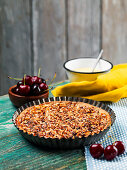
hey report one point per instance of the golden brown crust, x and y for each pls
(63, 119)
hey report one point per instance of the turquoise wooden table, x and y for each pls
(17, 153)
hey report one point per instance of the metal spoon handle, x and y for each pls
(97, 60)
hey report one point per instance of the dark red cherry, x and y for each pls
(19, 83)
(36, 80)
(24, 90)
(15, 90)
(96, 150)
(43, 86)
(39, 81)
(28, 80)
(110, 152)
(43, 80)
(120, 147)
(35, 90)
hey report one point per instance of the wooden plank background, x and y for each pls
(49, 37)
(15, 41)
(114, 30)
(46, 33)
(83, 28)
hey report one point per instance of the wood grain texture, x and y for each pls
(83, 28)
(18, 153)
(114, 29)
(46, 33)
(49, 37)
(15, 45)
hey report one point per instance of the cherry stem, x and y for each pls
(14, 78)
(24, 78)
(52, 79)
(112, 134)
(56, 84)
(113, 138)
(105, 139)
(39, 71)
(48, 89)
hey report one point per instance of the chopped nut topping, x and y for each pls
(63, 119)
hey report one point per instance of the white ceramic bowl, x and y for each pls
(80, 69)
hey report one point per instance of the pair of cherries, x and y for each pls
(32, 86)
(110, 152)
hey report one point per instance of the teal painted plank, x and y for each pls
(17, 153)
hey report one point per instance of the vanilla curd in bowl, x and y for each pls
(86, 70)
(80, 69)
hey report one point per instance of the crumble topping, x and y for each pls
(63, 119)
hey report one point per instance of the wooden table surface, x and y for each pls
(17, 153)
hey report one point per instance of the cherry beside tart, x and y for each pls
(120, 146)
(96, 150)
(110, 152)
(30, 86)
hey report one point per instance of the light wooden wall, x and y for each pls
(45, 33)
(114, 30)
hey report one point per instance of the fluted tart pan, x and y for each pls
(64, 143)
